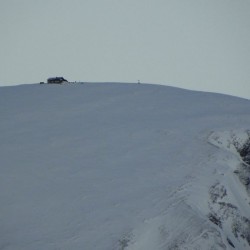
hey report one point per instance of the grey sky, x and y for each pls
(195, 44)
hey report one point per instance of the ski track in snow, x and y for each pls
(121, 166)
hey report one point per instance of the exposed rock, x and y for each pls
(243, 170)
(215, 219)
(217, 192)
(245, 152)
(230, 243)
(223, 209)
(241, 227)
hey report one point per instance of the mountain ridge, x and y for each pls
(122, 166)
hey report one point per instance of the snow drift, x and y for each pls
(123, 166)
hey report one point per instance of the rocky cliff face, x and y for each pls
(224, 196)
(243, 170)
(245, 152)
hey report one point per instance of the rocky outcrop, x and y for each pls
(243, 170)
(245, 152)
(229, 203)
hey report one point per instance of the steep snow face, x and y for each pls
(122, 166)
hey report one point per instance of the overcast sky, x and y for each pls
(194, 44)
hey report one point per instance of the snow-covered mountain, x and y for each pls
(112, 166)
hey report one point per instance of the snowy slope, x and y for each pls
(102, 166)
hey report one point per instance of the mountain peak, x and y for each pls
(123, 166)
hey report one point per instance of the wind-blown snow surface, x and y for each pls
(121, 166)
